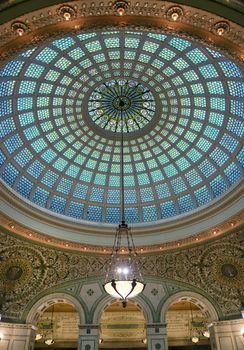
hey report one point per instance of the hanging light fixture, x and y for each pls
(206, 333)
(38, 336)
(195, 339)
(195, 334)
(123, 278)
(50, 340)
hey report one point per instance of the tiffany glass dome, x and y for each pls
(121, 105)
(64, 103)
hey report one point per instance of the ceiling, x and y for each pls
(182, 112)
(61, 137)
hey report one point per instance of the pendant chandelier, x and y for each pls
(123, 278)
(194, 332)
(50, 340)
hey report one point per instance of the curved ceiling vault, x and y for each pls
(181, 101)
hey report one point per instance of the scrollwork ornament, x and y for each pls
(221, 273)
(161, 266)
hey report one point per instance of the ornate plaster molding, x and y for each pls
(195, 267)
(75, 16)
(232, 224)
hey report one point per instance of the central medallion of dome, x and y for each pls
(121, 102)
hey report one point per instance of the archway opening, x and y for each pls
(123, 328)
(57, 328)
(187, 326)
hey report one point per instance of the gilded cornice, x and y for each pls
(49, 22)
(217, 231)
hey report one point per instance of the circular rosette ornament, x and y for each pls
(22, 274)
(121, 104)
(229, 271)
(15, 272)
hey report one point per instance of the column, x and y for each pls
(157, 337)
(227, 335)
(17, 336)
(88, 337)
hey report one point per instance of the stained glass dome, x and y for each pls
(182, 149)
(121, 105)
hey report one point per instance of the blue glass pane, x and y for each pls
(131, 215)
(76, 210)
(113, 215)
(24, 186)
(94, 213)
(40, 197)
(9, 174)
(58, 204)
(168, 209)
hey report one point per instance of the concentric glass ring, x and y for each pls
(118, 103)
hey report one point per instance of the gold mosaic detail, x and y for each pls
(15, 273)
(229, 270)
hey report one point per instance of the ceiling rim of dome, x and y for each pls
(231, 10)
(194, 24)
(24, 207)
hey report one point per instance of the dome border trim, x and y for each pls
(44, 24)
(186, 230)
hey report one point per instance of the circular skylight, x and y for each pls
(56, 154)
(121, 104)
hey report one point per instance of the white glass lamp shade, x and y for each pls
(206, 334)
(49, 341)
(195, 339)
(39, 336)
(124, 289)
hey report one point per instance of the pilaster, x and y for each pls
(157, 336)
(88, 337)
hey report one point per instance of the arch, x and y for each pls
(201, 302)
(108, 301)
(56, 298)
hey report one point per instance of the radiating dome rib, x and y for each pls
(53, 154)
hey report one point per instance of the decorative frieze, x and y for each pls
(27, 270)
